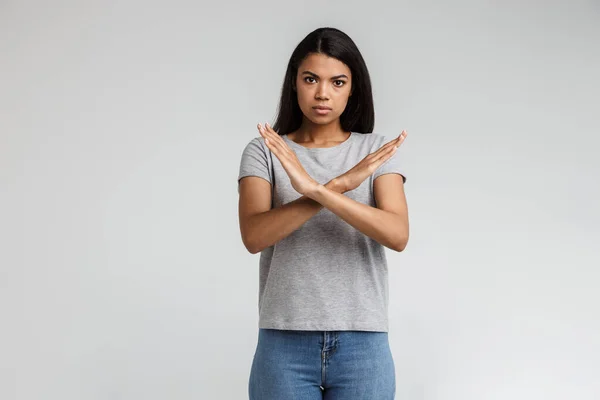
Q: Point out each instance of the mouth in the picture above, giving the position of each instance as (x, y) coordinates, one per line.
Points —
(322, 110)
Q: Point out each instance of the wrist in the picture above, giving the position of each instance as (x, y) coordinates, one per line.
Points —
(337, 185)
(315, 189)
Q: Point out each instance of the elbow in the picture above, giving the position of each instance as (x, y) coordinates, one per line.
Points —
(398, 248)
(400, 236)
(251, 250)
(400, 245)
(251, 246)
(254, 250)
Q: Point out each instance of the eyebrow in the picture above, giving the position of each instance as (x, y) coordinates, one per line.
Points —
(317, 76)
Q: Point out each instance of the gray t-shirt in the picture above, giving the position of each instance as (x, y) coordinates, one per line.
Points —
(326, 275)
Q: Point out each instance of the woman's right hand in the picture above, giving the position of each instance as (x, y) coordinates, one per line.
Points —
(352, 179)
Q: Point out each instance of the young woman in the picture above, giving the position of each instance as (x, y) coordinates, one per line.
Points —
(320, 197)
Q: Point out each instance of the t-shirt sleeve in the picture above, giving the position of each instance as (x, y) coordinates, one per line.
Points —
(255, 161)
(394, 165)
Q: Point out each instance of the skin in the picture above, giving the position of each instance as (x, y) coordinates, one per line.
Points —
(322, 80)
(387, 223)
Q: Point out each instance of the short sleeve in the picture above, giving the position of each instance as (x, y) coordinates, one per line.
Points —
(255, 161)
(395, 165)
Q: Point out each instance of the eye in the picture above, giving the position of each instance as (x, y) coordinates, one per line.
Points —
(308, 77)
(343, 83)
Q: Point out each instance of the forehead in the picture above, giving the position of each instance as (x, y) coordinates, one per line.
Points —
(323, 65)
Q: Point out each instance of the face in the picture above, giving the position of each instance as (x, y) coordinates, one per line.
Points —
(323, 81)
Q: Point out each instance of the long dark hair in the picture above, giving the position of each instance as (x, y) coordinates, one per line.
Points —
(359, 114)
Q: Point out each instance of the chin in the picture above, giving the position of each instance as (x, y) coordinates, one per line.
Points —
(321, 121)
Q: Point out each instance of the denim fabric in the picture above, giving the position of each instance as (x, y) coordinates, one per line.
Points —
(329, 365)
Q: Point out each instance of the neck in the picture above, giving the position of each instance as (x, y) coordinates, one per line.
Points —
(318, 134)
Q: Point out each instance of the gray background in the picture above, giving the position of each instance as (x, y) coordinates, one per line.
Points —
(123, 274)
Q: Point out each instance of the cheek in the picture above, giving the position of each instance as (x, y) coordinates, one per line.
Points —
(301, 96)
(342, 102)
(303, 100)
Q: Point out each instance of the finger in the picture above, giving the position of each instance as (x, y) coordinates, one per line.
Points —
(380, 158)
(383, 159)
(274, 144)
(277, 138)
(382, 155)
(392, 143)
(396, 141)
(261, 131)
(267, 134)
(401, 138)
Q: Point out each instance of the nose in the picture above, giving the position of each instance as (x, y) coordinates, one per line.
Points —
(321, 93)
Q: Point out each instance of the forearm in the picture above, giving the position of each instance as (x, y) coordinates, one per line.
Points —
(269, 227)
(385, 227)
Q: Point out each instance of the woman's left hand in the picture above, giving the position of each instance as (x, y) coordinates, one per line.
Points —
(301, 181)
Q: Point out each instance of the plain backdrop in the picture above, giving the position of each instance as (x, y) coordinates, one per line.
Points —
(122, 270)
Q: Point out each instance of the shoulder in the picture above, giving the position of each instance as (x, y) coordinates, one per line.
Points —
(256, 160)
(256, 145)
(256, 141)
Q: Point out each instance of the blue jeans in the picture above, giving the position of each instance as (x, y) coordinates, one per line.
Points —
(329, 365)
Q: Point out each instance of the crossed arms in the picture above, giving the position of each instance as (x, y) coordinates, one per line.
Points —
(262, 226)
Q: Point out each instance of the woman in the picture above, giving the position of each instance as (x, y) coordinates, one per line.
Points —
(320, 196)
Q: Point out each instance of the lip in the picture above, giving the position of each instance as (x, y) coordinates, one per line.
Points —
(322, 110)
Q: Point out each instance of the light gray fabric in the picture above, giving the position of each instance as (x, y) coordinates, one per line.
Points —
(326, 275)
